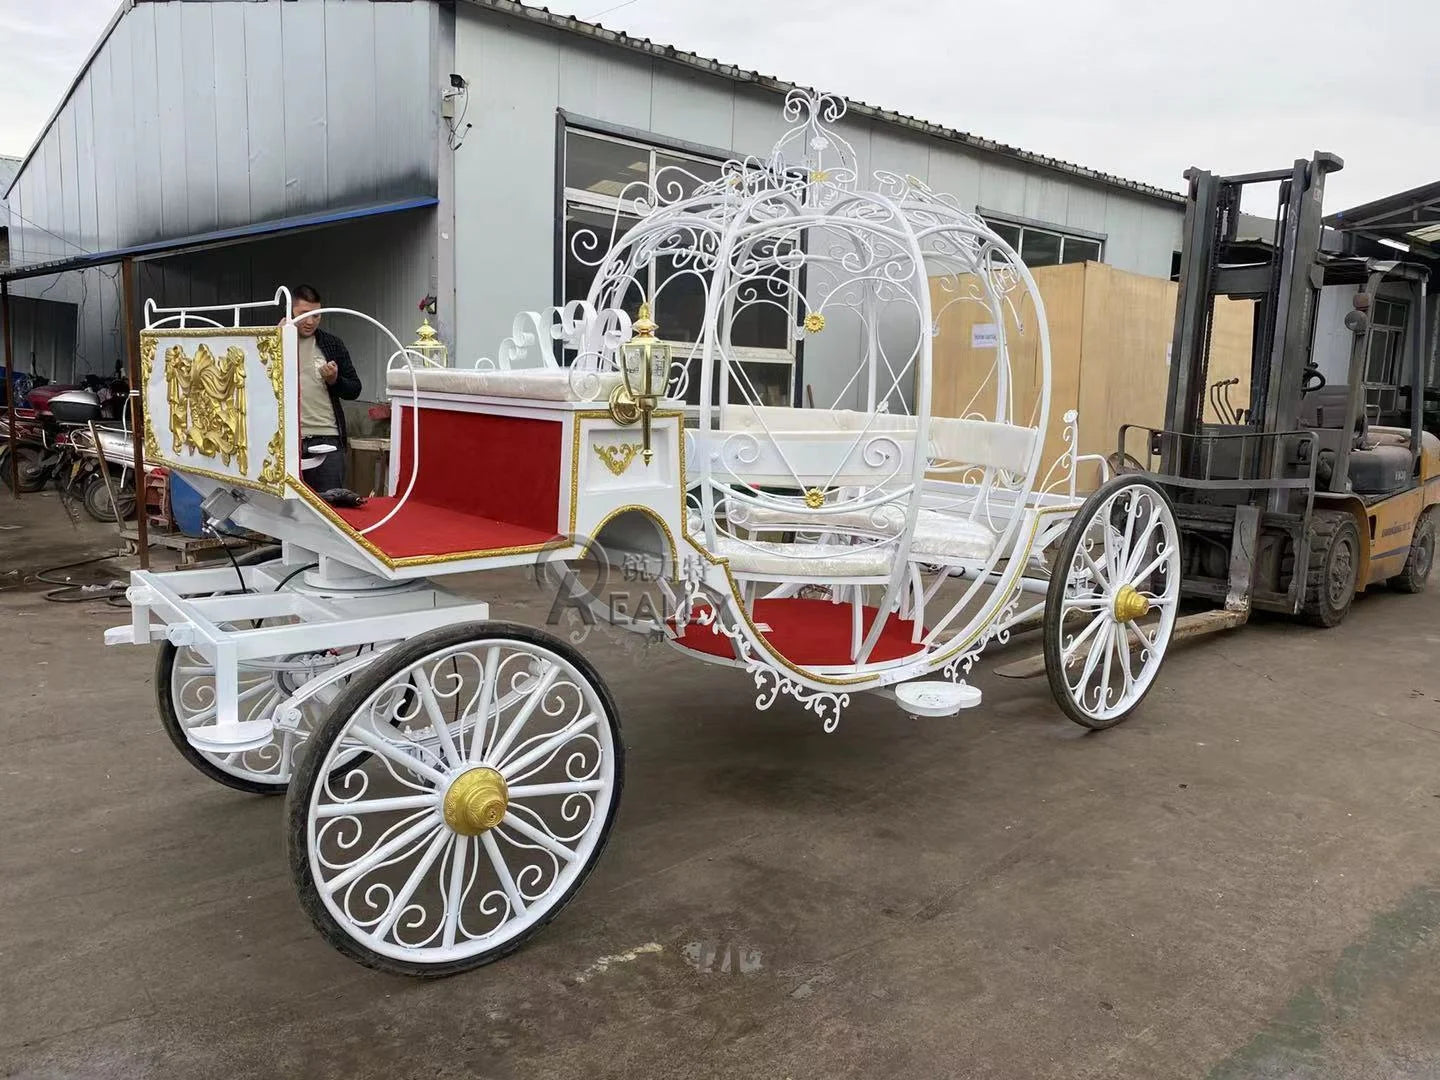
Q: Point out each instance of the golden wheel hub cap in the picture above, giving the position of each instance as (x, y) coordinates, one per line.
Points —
(476, 802)
(1129, 604)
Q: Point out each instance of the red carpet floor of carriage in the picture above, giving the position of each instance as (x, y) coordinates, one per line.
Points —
(809, 633)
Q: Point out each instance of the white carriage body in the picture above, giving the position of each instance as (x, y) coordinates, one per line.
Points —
(462, 769)
(516, 459)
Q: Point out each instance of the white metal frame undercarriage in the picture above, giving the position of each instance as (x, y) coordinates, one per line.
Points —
(336, 606)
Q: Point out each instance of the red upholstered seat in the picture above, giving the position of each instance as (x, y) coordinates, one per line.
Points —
(487, 484)
(421, 530)
(810, 633)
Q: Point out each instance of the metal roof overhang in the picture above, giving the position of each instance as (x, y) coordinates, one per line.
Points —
(215, 239)
(1411, 217)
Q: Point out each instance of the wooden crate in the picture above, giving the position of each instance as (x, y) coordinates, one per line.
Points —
(1110, 334)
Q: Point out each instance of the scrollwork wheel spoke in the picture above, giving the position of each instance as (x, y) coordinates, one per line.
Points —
(1074, 646)
(571, 787)
(373, 858)
(455, 893)
(1101, 578)
(1107, 534)
(537, 694)
(1105, 666)
(375, 806)
(480, 730)
(1153, 565)
(438, 723)
(1140, 548)
(502, 872)
(1100, 645)
(402, 898)
(564, 735)
(1122, 652)
(388, 749)
(1149, 642)
(544, 839)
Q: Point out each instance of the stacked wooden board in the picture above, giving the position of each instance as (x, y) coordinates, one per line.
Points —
(1110, 334)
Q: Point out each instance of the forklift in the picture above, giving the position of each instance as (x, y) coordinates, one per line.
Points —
(1294, 500)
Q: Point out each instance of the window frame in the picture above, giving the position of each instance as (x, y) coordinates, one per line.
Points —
(1064, 232)
(652, 146)
(1396, 331)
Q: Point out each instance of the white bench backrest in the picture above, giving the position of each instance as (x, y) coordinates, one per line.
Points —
(965, 442)
(809, 458)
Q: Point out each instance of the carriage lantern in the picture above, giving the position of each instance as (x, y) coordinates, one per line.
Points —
(428, 344)
(645, 369)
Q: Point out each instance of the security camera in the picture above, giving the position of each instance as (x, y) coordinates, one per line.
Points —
(458, 81)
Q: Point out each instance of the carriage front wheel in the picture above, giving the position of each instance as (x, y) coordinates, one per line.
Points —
(1111, 604)
(455, 798)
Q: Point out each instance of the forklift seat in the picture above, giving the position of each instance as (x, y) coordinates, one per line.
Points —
(1382, 463)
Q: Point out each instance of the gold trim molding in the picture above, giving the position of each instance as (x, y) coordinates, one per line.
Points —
(617, 458)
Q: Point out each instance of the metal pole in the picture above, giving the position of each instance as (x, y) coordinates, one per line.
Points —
(137, 389)
(10, 385)
(105, 476)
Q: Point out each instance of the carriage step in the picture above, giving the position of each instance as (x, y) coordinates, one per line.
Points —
(934, 698)
(231, 738)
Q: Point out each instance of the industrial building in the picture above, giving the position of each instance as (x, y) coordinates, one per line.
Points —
(403, 152)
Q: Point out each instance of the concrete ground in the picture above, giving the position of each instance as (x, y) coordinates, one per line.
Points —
(1241, 881)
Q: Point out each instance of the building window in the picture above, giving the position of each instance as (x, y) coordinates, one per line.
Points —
(597, 169)
(1383, 367)
(1047, 247)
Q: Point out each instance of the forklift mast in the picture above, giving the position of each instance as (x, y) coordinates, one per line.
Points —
(1283, 278)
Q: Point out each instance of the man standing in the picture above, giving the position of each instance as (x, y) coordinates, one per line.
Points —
(326, 376)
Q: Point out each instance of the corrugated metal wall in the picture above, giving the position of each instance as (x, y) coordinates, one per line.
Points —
(200, 116)
(504, 174)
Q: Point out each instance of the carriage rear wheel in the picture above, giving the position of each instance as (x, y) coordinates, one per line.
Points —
(185, 696)
(492, 771)
(1111, 605)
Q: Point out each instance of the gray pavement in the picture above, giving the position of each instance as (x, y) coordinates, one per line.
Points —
(1241, 881)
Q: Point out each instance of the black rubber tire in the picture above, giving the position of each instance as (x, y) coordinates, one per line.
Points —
(164, 663)
(1332, 532)
(28, 455)
(96, 498)
(312, 753)
(1421, 560)
(1053, 631)
(1125, 465)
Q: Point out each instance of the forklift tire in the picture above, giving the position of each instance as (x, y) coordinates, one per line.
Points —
(1334, 560)
(1421, 559)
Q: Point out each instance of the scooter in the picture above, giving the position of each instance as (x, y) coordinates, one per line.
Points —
(102, 451)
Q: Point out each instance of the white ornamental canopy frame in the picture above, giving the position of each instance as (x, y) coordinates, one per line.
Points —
(877, 263)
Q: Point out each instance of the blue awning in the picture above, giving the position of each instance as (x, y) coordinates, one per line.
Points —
(217, 238)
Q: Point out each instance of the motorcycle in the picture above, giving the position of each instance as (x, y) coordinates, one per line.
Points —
(30, 451)
(54, 443)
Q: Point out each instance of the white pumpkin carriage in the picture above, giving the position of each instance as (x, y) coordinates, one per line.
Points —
(451, 780)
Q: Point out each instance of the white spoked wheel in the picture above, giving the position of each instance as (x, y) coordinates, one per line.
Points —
(455, 799)
(185, 696)
(1112, 601)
